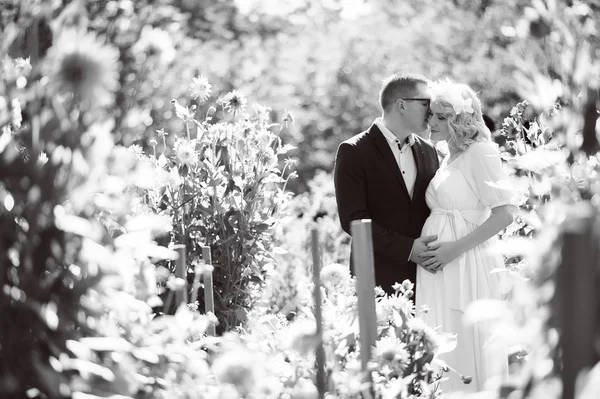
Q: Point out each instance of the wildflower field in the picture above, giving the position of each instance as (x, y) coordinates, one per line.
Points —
(168, 223)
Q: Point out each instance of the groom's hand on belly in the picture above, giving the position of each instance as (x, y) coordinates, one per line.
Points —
(420, 246)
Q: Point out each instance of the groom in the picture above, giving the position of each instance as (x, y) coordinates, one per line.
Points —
(382, 174)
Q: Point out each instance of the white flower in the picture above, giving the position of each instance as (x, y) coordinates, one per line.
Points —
(430, 339)
(405, 289)
(185, 151)
(397, 287)
(79, 63)
(445, 90)
(390, 304)
(200, 88)
(379, 291)
(390, 351)
(235, 102)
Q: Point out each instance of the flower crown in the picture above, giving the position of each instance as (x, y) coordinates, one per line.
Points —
(451, 93)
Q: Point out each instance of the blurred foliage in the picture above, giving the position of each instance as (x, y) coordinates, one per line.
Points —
(223, 185)
(39, 301)
(77, 241)
(282, 53)
(56, 254)
(78, 245)
(405, 347)
(551, 148)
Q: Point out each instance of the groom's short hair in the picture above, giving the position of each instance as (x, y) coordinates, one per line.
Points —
(397, 86)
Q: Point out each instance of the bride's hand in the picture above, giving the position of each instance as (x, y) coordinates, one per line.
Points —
(439, 255)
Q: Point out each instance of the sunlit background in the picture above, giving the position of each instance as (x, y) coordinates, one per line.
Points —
(153, 149)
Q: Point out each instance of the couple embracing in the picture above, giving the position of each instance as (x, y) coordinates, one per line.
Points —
(432, 218)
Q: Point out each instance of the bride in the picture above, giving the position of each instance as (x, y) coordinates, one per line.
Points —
(469, 208)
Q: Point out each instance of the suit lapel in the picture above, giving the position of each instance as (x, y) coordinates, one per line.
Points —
(386, 153)
(417, 151)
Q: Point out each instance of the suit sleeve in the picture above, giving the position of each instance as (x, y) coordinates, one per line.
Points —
(351, 196)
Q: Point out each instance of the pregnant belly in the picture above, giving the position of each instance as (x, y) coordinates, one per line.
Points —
(439, 225)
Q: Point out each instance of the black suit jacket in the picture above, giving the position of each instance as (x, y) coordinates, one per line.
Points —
(369, 185)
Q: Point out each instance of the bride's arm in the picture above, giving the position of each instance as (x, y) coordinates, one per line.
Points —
(442, 253)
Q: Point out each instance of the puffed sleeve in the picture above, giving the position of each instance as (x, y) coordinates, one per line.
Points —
(484, 172)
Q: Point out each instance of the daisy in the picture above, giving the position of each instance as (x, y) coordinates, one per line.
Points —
(200, 88)
(78, 63)
(234, 101)
(392, 352)
(185, 151)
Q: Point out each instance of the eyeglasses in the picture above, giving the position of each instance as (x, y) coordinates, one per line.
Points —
(427, 100)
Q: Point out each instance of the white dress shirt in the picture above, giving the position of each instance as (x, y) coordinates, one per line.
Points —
(404, 157)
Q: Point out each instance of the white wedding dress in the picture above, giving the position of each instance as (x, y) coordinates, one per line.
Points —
(460, 198)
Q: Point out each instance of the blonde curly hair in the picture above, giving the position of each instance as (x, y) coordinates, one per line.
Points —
(465, 127)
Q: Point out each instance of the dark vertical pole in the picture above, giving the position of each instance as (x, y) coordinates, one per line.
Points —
(590, 116)
(576, 299)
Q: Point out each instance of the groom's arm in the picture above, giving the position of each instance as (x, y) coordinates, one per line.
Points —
(351, 196)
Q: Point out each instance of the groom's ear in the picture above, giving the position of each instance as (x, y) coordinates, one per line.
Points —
(400, 103)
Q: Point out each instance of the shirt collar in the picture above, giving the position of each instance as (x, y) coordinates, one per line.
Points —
(391, 137)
